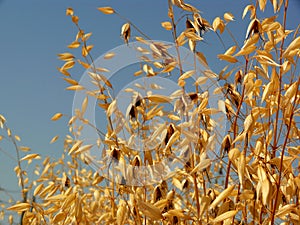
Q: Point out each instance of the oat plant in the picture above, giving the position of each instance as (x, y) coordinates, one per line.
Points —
(247, 175)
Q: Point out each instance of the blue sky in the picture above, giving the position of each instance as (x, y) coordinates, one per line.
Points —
(33, 33)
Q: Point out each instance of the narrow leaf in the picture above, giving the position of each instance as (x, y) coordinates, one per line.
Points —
(106, 10)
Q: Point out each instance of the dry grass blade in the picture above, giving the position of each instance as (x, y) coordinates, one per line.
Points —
(75, 147)
(166, 25)
(106, 10)
(202, 165)
(57, 116)
(111, 108)
(228, 58)
(225, 216)
(150, 210)
(109, 55)
(159, 98)
(31, 156)
(171, 158)
(225, 194)
(20, 207)
(121, 213)
(75, 88)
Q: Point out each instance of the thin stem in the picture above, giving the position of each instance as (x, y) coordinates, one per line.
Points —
(277, 119)
(280, 82)
(24, 194)
(235, 124)
(174, 32)
(132, 24)
(278, 184)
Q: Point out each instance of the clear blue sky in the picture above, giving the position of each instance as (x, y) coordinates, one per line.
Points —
(33, 32)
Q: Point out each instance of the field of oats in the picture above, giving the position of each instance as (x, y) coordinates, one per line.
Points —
(184, 142)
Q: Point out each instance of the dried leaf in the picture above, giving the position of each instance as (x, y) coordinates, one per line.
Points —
(125, 32)
(70, 81)
(230, 51)
(187, 74)
(54, 139)
(121, 212)
(38, 189)
(109, 55)
(225, 216)
(150, 210)
(24, 148)
(69, 12)
(2, 119)
(218, 24)
(250, 8)
(75, 19)
(241, 169)
(159, 98)
(106, 10)
(249, 121)
(84, 105)
(222, 196)
(167, 25)
(228, 17)
(172, 139)
(228, 58)
(82, 149)
(285, 210)
(75, 147)
(291, 91)
(111, 108)
(84, 64)
(192, 36)
(169, 67)
(75, 88)
(254, 27)
(202, 58)
(57, 116)
(264, 186)
(17, 138)
(20, 207)
(66, 56)
(246, 51)
(294, 45)
(201, 80)
(30, 156)
(203, 164)
(86, 49)
(176, 212)
(74, 44)
(262, 4)
(59, 217)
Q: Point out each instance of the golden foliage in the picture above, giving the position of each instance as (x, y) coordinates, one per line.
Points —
(254, 179)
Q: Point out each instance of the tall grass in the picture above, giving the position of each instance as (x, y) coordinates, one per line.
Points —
(253, 179)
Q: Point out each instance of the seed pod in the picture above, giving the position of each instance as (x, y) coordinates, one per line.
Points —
(187, 166)
(164, 188)
(67, 182)
(203, 24)
(125, 32)
(157, 194)
(170, 132)
(189, 24)
(133, 113)
(226, 144)
(193, 96)
(238, 77)
(138, 101)
(185, 184)
(115, 154)
(253, 28)
(136, 161)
